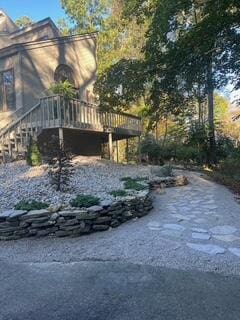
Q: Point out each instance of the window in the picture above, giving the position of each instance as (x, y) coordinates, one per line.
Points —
(64, 72)
(7, 91)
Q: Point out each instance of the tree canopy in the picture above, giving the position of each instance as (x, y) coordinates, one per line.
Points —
(23, 22)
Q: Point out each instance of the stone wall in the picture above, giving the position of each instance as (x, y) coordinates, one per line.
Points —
(168, 182)
(68, 221)
(16, 224)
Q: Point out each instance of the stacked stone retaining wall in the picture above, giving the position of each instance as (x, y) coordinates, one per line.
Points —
(68, 221)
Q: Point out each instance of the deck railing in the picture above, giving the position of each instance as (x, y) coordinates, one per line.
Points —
(72, 113)
(55, 112)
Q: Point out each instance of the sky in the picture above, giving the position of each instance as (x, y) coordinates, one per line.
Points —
(35, 9)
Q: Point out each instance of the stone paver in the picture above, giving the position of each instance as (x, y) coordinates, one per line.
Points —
(223, 230)
(176, 227)
(207, 248)
(235, 251)
(201, 236)
(227, 238)
(199, 230)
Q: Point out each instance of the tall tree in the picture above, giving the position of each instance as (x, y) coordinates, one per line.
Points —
(191, 43)
(117, 38)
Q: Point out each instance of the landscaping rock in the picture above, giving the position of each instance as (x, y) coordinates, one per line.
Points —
(95, 209)
(99, 227)
(102, 220)
(14, 215)
(33, 214)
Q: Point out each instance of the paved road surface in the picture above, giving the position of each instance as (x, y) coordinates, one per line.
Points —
(114, 291)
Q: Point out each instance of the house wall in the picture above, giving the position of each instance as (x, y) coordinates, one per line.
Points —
(5, 41)
(12, 62)
(40, 62)
(36, 34)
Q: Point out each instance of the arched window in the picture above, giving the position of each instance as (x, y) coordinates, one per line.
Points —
(64, 72)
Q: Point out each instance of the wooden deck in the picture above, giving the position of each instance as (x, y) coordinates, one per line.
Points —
(55, 112)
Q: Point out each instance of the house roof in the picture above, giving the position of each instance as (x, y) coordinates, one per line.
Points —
(14, 48)
(34, 26)
(6, 23)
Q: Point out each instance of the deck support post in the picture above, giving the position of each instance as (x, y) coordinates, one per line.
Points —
(3, 152)
(117, 148)
(127, 150)
(110, 144)
(60, 134)
(9, 146)
(139, 149)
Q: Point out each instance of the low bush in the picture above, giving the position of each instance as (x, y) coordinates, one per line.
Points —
(30, 205)
(164, 171)
(84, 201)
(151, 149)
(118, 193)
(228, 173)
(134, 179)
(230, 167)
(132, 184)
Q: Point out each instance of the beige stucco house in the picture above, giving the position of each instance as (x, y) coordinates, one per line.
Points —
(31, 60)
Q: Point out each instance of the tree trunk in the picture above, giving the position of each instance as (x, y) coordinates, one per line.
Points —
(212, 141)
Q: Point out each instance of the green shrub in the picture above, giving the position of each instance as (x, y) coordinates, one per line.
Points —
(187, 154)
(134, 179)
(33, 154)
(164, 171)
(150, 147)
(28, 205)
(132, 184)
(231, 168)
(118, 193)
(84, 201)
(64, 88)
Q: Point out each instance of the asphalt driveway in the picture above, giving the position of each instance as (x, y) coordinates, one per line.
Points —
(114, 291)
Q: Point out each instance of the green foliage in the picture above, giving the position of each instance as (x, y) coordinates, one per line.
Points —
(231, 167)
(133, 184)
(117, 87)
(164, 171)
(190, 51)
(137, 179)
(23, 22)
(89, 15)
(118, 193)
(30, 205)
(33, 154)
(150, 147)
(84, 201)
(117, 38)
(228, 173)
(63, 26)
(64, 88)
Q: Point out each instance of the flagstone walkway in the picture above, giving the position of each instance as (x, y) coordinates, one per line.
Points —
(203, 216)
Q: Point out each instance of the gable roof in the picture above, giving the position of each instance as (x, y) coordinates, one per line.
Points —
(6, 23)
(15, 48)
(33, 26)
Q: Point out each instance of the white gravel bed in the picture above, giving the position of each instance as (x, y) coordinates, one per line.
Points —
(94, 176)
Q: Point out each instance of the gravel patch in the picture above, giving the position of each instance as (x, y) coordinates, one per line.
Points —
(94, 176)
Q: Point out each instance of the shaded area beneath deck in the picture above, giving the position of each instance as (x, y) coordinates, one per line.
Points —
(82, 142)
